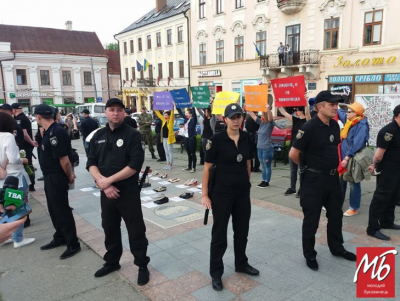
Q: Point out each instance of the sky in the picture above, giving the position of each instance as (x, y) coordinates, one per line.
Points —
(106, 18)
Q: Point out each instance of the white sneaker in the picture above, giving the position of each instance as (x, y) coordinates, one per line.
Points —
(165, 167)
(7, 242)
(200, 186)
(24, 242)
(193, 170)
(323, 208)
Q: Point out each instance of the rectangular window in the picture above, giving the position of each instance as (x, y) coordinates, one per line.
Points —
(202, 9)
(220, 8)
(220, 51)
(373, 27)
(148, 42)
(45, 77)
(133, 73)
(150, 71)
(87, 78)
(139, 41)
(66, 78)
(126, 74)
(171, 70)
(125, 48)
(239, 3)
(158, 38)
(331, 33)
(239, 49)
(203, 54)
(169, 37)
(21, 77)
(160, 75)
(181, 69)
(131, 45)
(180, 34)
(261, 42)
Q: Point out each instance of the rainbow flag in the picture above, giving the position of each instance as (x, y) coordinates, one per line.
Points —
(145, 65)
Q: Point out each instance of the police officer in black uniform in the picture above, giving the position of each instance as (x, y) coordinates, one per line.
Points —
(383, 204)
(252, 128)
(318, 139)
(230, 152)
(29, 143)
(116, 156)
(57, 172)
(18, 133)
(129, 120)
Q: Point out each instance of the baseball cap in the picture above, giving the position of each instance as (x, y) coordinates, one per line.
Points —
(127, 111)
(86, 111)
(328, 97)
(144, 108)
(16, 106)
(115, 101)
(44, 110)
(396, 110)
(6, 106)
(232, 109)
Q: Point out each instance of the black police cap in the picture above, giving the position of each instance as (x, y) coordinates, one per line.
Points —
(327, 96)
(44, 110)
(86, 111)
(396, 110)
(6, 106)
(115, 101)
(233, 109)
(16, 106)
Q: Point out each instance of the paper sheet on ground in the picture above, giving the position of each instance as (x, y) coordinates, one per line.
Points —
(148, 192)
(87, 189)
(164, 183)
(176, 199)
(146, 199)
(181, 186)
(156, 178)
(150, 205)
(96, 193)
(194, 189)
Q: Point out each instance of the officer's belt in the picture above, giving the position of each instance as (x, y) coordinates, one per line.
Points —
(331, 172)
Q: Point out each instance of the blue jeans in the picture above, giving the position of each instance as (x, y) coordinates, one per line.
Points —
(18, 234)
(355, 193)
(265, 157)
(86, 147)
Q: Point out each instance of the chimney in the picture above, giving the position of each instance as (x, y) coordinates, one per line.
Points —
(68, 24)
(160, 4)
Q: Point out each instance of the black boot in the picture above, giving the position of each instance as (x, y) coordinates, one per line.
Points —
(27, 222)
(153, 156)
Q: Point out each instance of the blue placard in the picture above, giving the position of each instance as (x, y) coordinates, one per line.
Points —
(394, 77)
(369, 78)
(181, 98)
(341, 79)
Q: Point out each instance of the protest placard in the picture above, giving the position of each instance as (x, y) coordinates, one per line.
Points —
(222, 99)
(162, 101)
(256, 97)
(289, 91)
(201, 96)
(181, 98)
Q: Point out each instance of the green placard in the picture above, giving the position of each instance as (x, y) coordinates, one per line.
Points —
(48, 101)
(201, 96)
(90, 100)
(12, 95)
(1, 101)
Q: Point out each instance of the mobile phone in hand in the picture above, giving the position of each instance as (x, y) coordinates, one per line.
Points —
(14, 215)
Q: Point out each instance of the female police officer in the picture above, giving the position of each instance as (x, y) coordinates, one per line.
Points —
(229, 151)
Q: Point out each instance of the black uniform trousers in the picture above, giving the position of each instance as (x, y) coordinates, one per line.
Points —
(128, 207)
(319, 190)
(383, 204)
(56, 190)
(29, 155)
(160, 148)
(256, 164)
(224, 204)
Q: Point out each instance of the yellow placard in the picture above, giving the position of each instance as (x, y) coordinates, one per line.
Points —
(256, 98)
(222, 99)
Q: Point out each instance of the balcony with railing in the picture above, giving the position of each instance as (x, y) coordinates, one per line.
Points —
(146, 82)
(303, 57)
(291, 6)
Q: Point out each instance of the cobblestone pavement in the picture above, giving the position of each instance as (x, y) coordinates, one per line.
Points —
(180, 253)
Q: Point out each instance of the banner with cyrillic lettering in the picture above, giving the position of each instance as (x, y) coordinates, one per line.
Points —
(162, 101)
(289, 91)
(181, 98)
(256, 98)
(201, 96)
(222, 99)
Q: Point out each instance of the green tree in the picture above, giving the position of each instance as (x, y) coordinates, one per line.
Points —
(111, 46)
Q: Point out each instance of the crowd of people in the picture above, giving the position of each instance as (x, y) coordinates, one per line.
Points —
(326, 156)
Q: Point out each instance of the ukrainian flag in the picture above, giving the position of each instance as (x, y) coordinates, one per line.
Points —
(145, 65)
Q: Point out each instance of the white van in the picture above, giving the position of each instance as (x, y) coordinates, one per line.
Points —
(95, 109)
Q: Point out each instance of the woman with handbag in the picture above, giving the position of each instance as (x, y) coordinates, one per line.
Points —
(354, 136)
(11, 164)
(228, 157)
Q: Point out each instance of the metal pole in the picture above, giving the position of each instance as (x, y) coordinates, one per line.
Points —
(94, 81)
